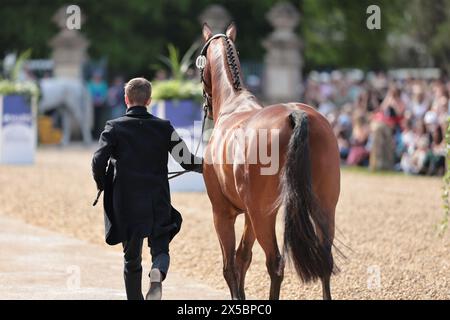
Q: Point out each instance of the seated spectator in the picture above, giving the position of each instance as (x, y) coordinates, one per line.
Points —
(434, 163)
(419, 104)
(393, 100)
(343, 145)
(408, 146)
(419, 156)
(408, 118)
(326, 107)
(441, 104)
(358, 154)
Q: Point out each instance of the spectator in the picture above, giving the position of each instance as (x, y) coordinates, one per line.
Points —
(394, 102)
(116, 93)
(419, 105)
(116, 97)
(343, 145)
(408, 146)
(434, 163)
(419, 156)
(98, 89)
(359, 154)
(408, 118)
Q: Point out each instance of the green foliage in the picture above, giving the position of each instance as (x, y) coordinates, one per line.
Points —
(434, 33)
(8, 87)
(178, 68)
(11, 86)
(132, 34)
(336, 35)
(129, 34)
(19, 64)
(178, 87)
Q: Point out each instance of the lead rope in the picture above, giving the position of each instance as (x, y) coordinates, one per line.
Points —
(175, 173)
(179, 173)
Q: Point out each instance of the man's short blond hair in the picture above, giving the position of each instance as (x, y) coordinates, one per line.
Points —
(138, 91)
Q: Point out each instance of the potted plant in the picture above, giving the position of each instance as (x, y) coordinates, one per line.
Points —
(178, 98)
(18, 106)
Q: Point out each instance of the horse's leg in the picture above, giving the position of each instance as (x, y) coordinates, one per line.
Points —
(224, 221)
(264, 228)
(224, 214)
(328, 239)
(244, 255)
(66, 126)
(326, 291)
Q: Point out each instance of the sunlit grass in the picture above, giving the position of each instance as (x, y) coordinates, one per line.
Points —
(367, 171)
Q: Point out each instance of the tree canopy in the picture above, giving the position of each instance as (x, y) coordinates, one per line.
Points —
(132, 34)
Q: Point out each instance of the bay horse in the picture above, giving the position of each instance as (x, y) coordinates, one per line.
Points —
(306, 181)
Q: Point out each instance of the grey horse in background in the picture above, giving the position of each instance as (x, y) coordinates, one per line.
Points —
(71, 98)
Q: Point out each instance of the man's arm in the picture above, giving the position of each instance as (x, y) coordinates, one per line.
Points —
(180, 152)
(101, 156)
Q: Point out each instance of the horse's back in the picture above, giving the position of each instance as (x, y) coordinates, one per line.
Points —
(267, 133)
(324, 153)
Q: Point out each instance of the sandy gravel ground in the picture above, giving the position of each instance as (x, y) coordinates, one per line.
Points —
(387, 223)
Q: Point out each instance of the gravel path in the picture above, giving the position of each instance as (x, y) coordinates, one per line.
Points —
(387, 224)
(71, 269)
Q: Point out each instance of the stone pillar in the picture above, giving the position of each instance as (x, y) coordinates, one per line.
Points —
(69, 49)
(283, 62)
(216, 16)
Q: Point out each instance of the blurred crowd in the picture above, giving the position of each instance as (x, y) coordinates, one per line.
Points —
(382, 122)
(107, 99)
(379, 121)
(105, 95)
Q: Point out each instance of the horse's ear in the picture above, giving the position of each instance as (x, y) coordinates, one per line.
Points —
(231, 31)
(207, 33)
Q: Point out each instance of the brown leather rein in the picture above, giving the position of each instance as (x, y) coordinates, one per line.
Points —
(200, 63)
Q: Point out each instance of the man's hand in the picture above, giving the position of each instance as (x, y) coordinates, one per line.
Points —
(107, 143)
(199, 166)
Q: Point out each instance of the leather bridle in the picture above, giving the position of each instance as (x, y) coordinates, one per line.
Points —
(207, 103)
(200, 63)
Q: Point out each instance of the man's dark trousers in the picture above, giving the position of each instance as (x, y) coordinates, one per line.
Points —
(132, 250)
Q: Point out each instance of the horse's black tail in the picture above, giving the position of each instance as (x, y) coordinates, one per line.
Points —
(305, 233)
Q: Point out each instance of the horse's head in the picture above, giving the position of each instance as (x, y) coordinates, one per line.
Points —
(210, 62)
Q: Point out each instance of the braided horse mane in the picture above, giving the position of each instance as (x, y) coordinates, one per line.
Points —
(232, 57)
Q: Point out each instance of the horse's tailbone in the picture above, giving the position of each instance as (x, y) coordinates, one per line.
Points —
(311, 257)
